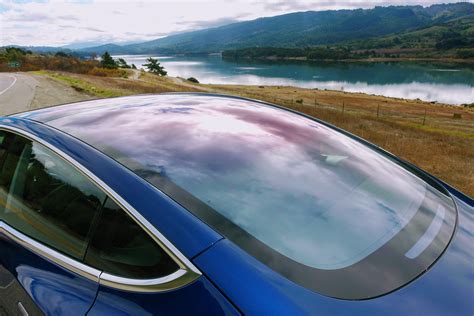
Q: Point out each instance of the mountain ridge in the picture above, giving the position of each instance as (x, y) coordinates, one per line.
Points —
(301, 29)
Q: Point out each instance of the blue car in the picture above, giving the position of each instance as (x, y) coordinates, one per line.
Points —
(198, 204)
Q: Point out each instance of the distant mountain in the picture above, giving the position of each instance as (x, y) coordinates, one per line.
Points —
(442, 25)
(111, 48)
(41, 49)
(83, 45)
(302, 29)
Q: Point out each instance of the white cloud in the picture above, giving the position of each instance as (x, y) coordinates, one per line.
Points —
(61, 22)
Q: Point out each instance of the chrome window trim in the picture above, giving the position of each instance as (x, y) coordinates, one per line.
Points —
(186, 273)
(48, 253)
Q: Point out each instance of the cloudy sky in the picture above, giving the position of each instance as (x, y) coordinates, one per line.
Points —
(59, 22)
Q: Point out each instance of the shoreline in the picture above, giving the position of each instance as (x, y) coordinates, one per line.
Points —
(355, 60)
(305, 59)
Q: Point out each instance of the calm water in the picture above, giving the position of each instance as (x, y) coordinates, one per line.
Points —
(446, 83)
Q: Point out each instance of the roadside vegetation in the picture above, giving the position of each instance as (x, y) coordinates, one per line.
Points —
(16, 59)
(13, 59)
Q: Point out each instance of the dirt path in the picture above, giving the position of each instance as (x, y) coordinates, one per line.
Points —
(51, 92)
(135, 74)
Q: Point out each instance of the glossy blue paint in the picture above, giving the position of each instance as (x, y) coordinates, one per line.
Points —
(198, 298)
(446, 289)
(53, 289)
(190, 235)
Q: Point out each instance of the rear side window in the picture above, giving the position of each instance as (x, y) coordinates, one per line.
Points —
(45, 197)
(48, 199)
(121, 247)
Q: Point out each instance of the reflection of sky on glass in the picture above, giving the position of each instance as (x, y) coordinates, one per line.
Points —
(447, 83)
(61, 170)
(307, 191)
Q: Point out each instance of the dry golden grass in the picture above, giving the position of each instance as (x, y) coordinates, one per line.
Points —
(438, 138)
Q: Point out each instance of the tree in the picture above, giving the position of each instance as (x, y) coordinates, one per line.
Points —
(122, 63)
(107, 61)
(61, 54)
(154, 67)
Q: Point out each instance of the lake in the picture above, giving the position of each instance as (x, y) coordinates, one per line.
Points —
(450, 83)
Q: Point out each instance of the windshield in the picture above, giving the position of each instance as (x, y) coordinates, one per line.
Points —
(321, 208)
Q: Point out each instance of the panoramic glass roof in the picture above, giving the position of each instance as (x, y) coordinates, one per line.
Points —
(321, 208)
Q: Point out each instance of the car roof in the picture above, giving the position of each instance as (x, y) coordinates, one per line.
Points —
(278, 184)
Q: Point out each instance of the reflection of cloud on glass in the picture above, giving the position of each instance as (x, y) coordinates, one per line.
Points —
(263, 168)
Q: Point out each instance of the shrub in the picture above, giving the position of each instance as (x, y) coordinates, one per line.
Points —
(107, 72)
(192, 79)
(61, 54)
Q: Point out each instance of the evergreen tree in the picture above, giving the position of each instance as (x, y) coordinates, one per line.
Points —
(122, 63)
(107, 61)
(154, 67)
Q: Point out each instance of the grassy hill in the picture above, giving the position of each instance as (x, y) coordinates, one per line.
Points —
(457, 33)
(378, 27)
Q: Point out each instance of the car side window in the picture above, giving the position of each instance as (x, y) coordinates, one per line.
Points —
(47, 198)
(121, 247)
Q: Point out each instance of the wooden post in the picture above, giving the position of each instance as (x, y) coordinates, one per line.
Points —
(343, 106)
(424, 118)
(315, 102)
(378, 111)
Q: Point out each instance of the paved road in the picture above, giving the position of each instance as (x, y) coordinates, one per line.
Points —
(16, 92)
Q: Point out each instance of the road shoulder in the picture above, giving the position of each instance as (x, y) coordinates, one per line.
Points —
(51, 92)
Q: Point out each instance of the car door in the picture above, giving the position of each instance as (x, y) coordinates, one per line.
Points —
(47, 211)
(140, 278)
(76, 250)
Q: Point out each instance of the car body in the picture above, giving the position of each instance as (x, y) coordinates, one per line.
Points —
(187, 203)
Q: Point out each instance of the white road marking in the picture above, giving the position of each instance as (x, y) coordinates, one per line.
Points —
(11, 85)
